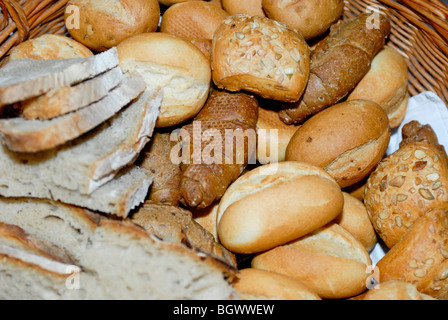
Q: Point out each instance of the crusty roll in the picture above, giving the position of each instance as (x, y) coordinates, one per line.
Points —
(260, 55)
(329, 260)
(251, 7)
(386, 83)
(174, 64)
(50, 46)
(338, 63)
(192, 19)
(104, 24)
(395, 290)
(421, 256)
(347, 140)
(274, 204)
(257, 284)
(355, 219)
(309, 17)
(273, 135)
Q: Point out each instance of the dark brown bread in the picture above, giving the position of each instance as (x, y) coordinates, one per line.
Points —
(338, 63)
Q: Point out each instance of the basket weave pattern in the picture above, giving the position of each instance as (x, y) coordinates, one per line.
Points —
(419, 32)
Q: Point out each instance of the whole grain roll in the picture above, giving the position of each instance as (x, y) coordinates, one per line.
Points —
(192, 19)
(103, 25)
(257, 284)
(421, 256)
(50, 46)
(355, 219)
(329, 260)
(174, 64)
(395, 290)
(404, 186)
(309, 17)
(274, 204)
(347, 140)
(273, 135)
(251, 7)
(260, 55)
(386, 83)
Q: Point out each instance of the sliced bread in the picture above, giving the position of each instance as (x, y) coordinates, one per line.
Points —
(85, 164)
(23, 79)
(67, 99)
(21, 135)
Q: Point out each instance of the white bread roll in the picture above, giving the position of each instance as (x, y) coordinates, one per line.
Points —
(104, 24)
(174, 64)
(386, 83)
(348, 140)
(274, 204)
(329, 260)
(257, 284)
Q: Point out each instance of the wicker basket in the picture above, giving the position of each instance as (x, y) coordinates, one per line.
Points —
(419, 32)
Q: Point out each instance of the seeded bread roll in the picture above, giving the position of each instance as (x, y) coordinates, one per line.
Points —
(50, 46)
(386, 83)
(174, 64)
(104, 24)
(260, 55)
(281, 190)
(355, 219)
(347, 140)
(404, 186)
(329, 260)
(421, 256)
(310, 18)
(257, 284)
(192, 19)
(251, 7)
(395, 290)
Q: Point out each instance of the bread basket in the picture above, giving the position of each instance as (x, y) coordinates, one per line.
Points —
(419, 32)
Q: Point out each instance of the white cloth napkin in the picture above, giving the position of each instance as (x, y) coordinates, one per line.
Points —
(426, 108)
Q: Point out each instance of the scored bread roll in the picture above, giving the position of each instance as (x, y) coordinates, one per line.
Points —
(251, 7)
(274, 204)
(257, 284)
(395, 290)
(329, 260)
(310, 18)
(260, 55)
(421, 256)
(273, 136)
(174, 64)
(193, 19)
(49, 46)
(355, 219)
(348, 140)
(101, 25)
(386, 83)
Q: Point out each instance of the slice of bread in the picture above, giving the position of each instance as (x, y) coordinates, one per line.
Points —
(23, 79)
(64, 100)
(21, 135)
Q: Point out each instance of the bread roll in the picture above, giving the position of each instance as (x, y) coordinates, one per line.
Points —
(193, 19)
(50, 46)
(355, 219)
(104, 24)
(260, 55)
(274, 204)
(171, 2)
(395, 290)
(421, 256)
(273, 136)
(386, 83)
(404, 186)
(174, 64)
(329, 260)
(251, 7)
(309, 17)
(347, 140)
(256, 284)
